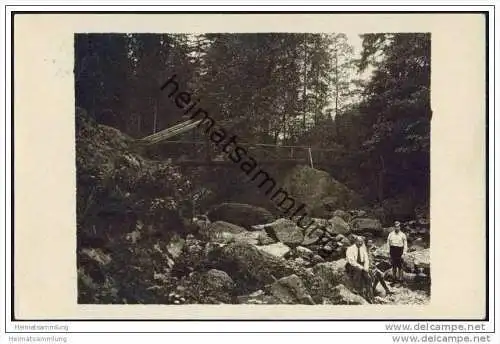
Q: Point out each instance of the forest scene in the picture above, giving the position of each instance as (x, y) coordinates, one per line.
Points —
(166, 216)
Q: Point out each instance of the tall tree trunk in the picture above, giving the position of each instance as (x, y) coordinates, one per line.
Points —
(381, 175)
(283, 120)
(304, 94)
(155, 114)
(318, 109)
(336, 83)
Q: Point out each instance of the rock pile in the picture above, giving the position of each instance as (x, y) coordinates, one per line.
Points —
(273, 263)
(268, 263)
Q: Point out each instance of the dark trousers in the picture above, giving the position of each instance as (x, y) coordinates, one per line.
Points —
(396, 254)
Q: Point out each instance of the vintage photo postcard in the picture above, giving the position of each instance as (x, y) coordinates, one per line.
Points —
(263, 168)
(287, 166)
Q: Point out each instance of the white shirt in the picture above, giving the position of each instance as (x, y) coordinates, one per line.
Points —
(397, 239)
(352, 256)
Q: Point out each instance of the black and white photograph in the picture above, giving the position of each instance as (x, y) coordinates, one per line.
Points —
(253, 168)
(205, 171)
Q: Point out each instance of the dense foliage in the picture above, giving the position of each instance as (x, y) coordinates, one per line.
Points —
(278, 88)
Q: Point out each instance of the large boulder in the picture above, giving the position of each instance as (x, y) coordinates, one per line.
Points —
(313, 234)
(367, 225)
(291, 290)
(343, 296)
(250, 268)
(332, 273)
(212, 286)
(338, 226)
(223, 226)
(324, 208)
(286, 231)
(277, 250)
(318, 190)
(417, 259)
(315, 285)
(246, 237)
(244, 215)
(225, 233)
(344, 215)
(303, 252)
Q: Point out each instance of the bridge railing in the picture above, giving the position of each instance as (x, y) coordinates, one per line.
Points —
(204, 152)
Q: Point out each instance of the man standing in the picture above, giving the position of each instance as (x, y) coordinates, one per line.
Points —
(357, 266)
(377, 275)
(398, 246)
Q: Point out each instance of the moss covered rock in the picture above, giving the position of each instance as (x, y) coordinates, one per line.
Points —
(244, 215)
(250, 268)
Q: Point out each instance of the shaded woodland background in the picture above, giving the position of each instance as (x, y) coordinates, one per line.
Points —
(140, 238)
(279, 88)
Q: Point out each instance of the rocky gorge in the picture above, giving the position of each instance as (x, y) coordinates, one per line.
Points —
(138, 245)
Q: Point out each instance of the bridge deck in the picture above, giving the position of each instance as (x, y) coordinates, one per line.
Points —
(229, 162)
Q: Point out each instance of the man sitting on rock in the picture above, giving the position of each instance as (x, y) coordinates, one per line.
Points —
(376, 274)
(358, 267)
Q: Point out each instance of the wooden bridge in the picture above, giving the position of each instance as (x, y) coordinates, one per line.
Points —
(265, 154)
